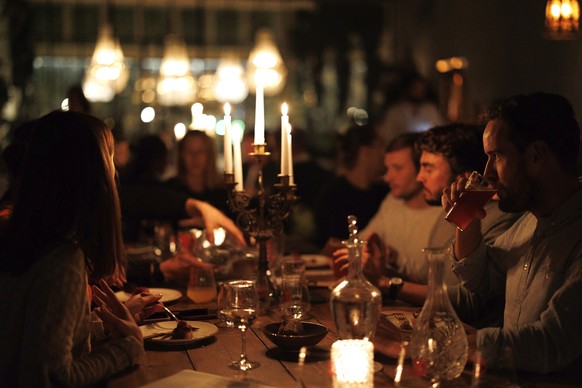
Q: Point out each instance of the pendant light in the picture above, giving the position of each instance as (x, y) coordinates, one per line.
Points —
(230, 83)
(265, 65)
(107, 74)
(176, 85)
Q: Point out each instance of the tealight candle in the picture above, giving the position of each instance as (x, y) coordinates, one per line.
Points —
(353, 363)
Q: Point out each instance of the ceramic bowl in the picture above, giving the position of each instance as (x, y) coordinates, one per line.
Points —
(314, 332)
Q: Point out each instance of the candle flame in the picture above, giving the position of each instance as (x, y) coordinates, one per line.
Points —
(227, 109)
(284, 109)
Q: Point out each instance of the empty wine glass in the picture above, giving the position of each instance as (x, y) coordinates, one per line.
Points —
(294, 294)
(294, 304)
(221, 306)
(241, 310)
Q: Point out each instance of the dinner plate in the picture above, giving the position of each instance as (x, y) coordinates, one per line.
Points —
(168, 294)
(205, 330)
(315, 261)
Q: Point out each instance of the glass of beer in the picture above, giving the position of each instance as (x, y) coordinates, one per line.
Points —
(464, 210)
(202, 285)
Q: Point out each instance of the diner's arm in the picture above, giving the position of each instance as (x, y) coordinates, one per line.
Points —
(550, 343)
(151, 201)
(213, 218)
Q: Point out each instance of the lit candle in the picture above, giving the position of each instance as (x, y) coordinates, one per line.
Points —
(289, 155)
(238, 175)
(227, 140)
(260, 116)
(284, 148)
(353, 363)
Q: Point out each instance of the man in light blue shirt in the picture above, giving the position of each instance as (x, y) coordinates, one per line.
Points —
(532, 143)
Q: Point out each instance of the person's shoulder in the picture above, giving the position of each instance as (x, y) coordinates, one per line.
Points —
(172, 182)
(63, 259)
(65, 251)
(380, 189)
(338, 181)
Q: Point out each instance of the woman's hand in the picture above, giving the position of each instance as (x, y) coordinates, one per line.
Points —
(213, 218)
(143, 305)
(115, 316)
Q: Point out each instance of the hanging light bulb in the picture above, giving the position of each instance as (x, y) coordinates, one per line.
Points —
(107, 73)
(562, 19)
(176, 85)
(230, 84)
(97, 91)
(265, 65)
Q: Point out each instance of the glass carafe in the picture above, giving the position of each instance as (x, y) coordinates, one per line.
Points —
(355, 303)
(438, 345)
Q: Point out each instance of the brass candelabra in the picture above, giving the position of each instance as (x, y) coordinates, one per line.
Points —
(261, 216)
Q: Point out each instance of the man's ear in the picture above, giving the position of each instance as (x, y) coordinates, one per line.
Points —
(536, 155)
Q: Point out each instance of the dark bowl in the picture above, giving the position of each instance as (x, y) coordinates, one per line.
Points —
(314, 332)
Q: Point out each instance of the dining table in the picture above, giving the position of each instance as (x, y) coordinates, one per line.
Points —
(206, 362)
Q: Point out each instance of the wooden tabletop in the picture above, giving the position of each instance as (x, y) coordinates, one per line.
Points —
(279, 368)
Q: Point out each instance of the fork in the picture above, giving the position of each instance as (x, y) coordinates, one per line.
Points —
(400, 316)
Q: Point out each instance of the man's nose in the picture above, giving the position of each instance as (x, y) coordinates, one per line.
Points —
(490, 173)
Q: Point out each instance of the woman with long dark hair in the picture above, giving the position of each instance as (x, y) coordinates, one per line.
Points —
(65, 231)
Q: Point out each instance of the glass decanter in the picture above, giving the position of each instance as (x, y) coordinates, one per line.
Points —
(355, 303)
(438, 346)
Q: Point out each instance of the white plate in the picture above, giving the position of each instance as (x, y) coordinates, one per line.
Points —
(316, 261)
(204, 331)
(168, 294)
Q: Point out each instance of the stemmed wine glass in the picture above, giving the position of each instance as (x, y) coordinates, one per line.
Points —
(241, 310)
(293, 297)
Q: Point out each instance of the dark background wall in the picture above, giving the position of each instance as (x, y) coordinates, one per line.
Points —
(504, 43)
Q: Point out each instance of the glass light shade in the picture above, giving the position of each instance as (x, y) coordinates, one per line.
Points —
(107, 73)
(562, 19)
(230, 83)
(97, 91)
(265, 65)
(176, 85)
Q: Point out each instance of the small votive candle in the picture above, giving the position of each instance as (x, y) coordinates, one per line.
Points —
(353, 363)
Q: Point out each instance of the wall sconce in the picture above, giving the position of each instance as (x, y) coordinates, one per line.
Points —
(107, 73)
(265, 65)
(176, 85)
(562, 19)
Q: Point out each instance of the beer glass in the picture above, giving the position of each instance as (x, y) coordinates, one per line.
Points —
(465, 209)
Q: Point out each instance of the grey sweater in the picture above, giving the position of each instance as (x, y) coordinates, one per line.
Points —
(45, 335)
